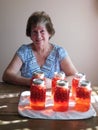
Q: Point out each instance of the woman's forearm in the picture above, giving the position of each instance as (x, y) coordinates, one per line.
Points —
(16, 79)
(19, 80)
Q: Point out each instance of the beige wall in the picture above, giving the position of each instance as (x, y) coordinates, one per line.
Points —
(75, 22)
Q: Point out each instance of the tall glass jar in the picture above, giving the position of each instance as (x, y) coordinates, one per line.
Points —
(83, 96)
(37, 94)
(61, 96)
(57, 76)
(75, 82)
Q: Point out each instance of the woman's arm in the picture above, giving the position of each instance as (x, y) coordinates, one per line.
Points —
(11, 73)
(69, 69)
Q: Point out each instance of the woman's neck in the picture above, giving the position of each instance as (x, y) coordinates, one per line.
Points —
(41, 49)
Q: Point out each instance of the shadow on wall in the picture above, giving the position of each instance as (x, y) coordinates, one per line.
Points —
(96, 4)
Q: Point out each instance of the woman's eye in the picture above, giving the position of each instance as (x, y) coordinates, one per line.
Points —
(34, 32)
(42, 31)
(37, 32)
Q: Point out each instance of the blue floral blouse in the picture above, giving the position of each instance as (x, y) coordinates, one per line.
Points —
(30, 64)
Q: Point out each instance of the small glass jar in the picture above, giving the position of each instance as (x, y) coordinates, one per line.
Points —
(57, 76)
(37, 94)
(75, 82)
(61, 96)
(83, 96)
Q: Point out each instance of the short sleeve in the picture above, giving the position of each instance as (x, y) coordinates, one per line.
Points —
(62, 53)
(21, 52)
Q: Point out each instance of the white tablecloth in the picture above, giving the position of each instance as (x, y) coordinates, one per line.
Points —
(25, 110)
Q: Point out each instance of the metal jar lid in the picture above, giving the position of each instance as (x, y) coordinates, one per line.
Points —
(80, 75)
(38, 81)
(85, 83)
(38, 73)
(62, 83)
(60, 74)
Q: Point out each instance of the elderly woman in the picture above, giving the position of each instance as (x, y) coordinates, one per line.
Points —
(39, 55)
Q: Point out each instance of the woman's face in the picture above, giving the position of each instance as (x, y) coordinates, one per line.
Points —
(40, 35)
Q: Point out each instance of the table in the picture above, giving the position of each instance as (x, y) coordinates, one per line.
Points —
(10, 118)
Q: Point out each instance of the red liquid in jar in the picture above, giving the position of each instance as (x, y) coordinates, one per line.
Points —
(61, 98)
(75, 82)
(54, 83)
(37, 96)
(57, 76)
(83, 98)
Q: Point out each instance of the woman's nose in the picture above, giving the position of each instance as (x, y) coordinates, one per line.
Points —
(38, 34)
